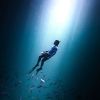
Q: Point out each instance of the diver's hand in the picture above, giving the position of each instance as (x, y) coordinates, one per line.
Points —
(44, 52)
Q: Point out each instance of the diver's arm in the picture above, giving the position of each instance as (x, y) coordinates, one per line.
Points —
(52, 55)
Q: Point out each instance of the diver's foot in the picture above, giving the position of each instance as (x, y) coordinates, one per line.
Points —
(33, 68)
(38, 70)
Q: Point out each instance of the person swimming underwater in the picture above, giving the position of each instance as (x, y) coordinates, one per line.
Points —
(45, 55)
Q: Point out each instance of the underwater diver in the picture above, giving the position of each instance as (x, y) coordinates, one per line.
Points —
(45, 55)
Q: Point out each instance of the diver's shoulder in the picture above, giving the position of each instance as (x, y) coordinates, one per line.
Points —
(56, 47)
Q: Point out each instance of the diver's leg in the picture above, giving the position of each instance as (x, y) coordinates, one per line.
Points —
(42, 63)
(39, 59)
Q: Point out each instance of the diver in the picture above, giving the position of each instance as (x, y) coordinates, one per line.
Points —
(45, 55)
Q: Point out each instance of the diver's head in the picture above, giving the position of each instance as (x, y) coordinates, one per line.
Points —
(56, 42)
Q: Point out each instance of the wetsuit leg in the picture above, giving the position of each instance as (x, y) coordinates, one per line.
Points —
(39, 59)
(42, 63)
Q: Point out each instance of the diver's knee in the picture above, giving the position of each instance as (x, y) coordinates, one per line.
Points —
(44, 59)
(40, 56)
(40, 68)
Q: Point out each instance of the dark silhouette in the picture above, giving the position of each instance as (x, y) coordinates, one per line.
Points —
(45, 55)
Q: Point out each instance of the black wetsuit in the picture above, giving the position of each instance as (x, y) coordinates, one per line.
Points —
(45, 56)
